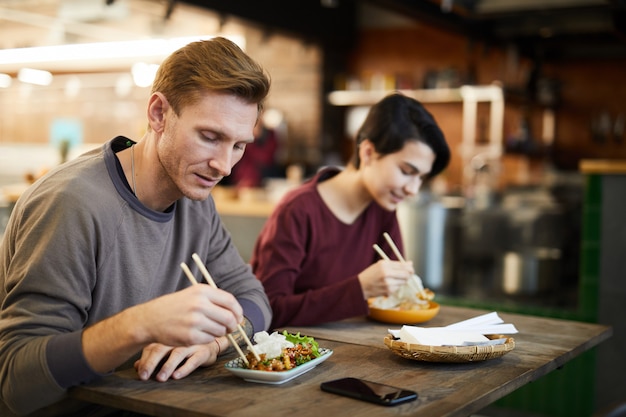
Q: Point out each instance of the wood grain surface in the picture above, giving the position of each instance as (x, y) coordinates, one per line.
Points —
(451, 390)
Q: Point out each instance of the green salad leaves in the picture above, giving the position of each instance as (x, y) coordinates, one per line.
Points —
(303, 340)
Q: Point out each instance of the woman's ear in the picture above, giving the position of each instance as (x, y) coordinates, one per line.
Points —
(157, 107)
(367, 152)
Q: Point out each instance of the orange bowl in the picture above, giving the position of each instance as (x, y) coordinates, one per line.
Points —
(404, 316)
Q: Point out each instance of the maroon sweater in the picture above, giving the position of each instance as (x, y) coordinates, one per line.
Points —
(308, 260)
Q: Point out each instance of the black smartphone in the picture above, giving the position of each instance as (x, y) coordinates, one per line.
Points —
(369, 391)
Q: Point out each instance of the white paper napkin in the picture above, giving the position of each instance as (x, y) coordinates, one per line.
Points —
(463, 333)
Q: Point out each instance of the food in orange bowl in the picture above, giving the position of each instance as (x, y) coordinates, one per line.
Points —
(403, 316)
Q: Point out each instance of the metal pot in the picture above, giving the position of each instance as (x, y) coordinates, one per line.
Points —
(429, 227)
(533, 271)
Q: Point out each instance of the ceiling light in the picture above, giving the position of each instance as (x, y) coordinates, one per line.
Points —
(143, 74)
(72, 86)
(123, 85)
(5, 80)
(332, 4)
(97, 55)
(34, 76)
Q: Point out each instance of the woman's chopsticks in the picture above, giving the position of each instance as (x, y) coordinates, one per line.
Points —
(394, 248)
(210, 281)
(396, 251)
(380, 252)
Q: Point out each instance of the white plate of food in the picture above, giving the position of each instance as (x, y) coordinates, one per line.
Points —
(238, 367)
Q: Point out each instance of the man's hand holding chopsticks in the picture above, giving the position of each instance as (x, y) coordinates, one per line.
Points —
(196, 315)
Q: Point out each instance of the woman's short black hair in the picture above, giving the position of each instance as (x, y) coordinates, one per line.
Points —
(398, 119)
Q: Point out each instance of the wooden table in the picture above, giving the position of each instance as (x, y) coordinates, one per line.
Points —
(542, 345)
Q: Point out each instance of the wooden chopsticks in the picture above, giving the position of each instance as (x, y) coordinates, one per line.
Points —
(381, 253)
(396, 251)
(210, 281)
(394, 248)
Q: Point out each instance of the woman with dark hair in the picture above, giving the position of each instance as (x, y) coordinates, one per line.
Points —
(314, 255)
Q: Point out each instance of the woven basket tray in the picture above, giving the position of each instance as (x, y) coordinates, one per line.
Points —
(450, 353)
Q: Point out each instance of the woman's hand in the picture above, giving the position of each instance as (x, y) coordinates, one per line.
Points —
(384, 277)
(175, 363)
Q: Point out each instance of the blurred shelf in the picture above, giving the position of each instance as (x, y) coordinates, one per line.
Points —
(368, 98)
(435, 95)
(603, 166)
(468, 95)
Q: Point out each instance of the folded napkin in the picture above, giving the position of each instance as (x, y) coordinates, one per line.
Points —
(464, 333)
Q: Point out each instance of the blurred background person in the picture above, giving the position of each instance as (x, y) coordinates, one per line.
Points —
(259, 159)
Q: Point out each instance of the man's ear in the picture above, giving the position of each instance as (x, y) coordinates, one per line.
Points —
(157, 107)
